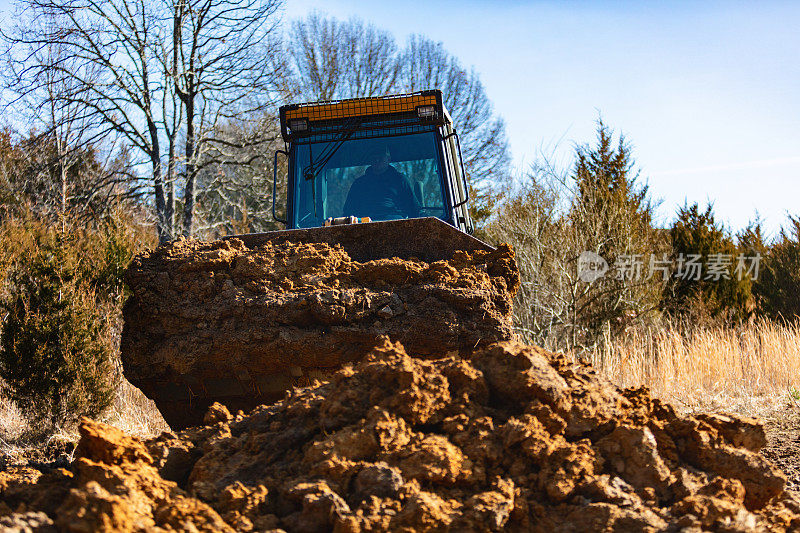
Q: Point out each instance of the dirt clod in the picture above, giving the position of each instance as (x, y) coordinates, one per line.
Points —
(223, 321)
(508, 438)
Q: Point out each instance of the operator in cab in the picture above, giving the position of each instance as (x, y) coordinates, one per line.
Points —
(382, 193)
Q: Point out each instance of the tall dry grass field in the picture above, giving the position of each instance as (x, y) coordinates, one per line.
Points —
(12, 424)
(752, 369)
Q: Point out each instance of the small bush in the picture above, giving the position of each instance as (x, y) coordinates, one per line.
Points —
(60, 299)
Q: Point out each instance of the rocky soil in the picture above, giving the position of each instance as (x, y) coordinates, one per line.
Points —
(506, 437)
(243, 324)
(783, 443)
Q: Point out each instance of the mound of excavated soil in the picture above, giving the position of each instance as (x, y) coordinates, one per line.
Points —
(242, 325)
(510, 437)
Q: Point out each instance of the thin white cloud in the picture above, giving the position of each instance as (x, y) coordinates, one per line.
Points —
(761, 163)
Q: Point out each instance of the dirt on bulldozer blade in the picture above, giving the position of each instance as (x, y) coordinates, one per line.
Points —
(508, 437)
(241, 325)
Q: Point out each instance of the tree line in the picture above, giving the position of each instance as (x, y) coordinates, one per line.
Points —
(691, 271)
(183, 94)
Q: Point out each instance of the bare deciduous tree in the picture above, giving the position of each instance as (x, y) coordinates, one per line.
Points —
(62, 137)
(236, 190)
(223, 70)
(111, 66)
(425, 64)
(153, 73)
(329, 59)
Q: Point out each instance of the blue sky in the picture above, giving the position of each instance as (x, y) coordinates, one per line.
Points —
(708, 93)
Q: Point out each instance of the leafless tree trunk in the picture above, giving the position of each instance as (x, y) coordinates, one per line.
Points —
(223, 69)
(110, 65)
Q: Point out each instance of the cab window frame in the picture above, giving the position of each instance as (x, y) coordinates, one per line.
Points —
(442, 170)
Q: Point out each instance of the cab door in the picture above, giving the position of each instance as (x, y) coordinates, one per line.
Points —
(456, 179)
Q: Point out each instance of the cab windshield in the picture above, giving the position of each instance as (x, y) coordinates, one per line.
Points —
(384, 178)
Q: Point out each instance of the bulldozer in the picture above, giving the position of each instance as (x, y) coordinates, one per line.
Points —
(378, 241)
(330, 145)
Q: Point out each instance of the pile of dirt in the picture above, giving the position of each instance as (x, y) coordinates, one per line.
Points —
(225, 321)
(507, 438)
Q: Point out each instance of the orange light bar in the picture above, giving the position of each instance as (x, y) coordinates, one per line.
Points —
(358, 107)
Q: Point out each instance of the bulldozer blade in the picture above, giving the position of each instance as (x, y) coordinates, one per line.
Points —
(246, 318)
(428, 239)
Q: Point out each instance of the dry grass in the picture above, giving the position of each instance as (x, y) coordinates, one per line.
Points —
(131, 411)
(752, 370)
(12, 422)
(135, 413)
(14, 444)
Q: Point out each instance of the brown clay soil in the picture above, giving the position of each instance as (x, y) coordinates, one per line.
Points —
(783, 443)
(508, 437)
(224, 321)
